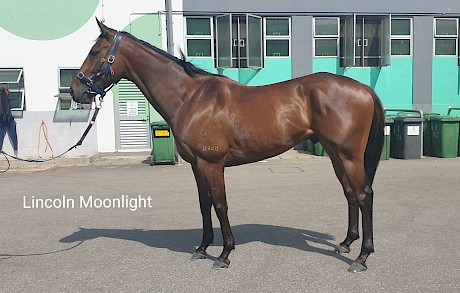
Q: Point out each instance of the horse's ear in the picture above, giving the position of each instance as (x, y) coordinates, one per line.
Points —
(101, 26)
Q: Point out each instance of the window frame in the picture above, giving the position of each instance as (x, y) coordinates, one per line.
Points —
(326, 37)
(200, 37)
(446, 37)
(59, 76)
(16, 86)
(223, 61)
(18, 79)
(21, 91)
(259, 46)
(267, 38)
(403, 37)
(64, 92)
(349, 41)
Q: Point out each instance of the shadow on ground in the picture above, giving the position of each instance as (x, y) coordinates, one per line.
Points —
(183, 240)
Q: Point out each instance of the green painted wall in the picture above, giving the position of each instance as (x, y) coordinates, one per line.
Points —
(147, 28)
(393, 83)
(446, 84)
(275, 70)
(46, 19)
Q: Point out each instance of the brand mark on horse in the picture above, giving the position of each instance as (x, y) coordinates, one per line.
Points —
(208, 148)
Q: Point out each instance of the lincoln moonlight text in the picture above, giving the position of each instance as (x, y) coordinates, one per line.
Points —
(133, 203)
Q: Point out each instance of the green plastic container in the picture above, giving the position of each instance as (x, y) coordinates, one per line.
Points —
(319, 150)
(444, 136)
(427, 141)
(310, 146)
(389, 122)
(162, 143)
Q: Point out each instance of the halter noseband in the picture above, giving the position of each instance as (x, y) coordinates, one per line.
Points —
(106, 71)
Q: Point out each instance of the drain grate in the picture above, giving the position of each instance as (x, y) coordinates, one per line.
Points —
(286, 170)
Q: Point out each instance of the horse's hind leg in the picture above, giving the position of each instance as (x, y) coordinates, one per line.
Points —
(205, 207)
(358, 193)
(351, 174)
(353, 207)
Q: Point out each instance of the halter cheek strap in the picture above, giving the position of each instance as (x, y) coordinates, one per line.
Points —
(106, 71)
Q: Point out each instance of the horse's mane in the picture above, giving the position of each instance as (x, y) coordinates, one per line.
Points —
(188, 67)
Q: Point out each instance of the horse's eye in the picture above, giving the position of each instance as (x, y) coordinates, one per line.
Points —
(93, 53)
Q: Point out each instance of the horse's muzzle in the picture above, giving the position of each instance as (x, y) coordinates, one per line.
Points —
(83, 97)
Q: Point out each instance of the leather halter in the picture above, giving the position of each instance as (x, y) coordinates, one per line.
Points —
(101, 72)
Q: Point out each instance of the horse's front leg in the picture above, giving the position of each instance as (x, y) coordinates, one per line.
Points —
(213, 174)
(205, 207)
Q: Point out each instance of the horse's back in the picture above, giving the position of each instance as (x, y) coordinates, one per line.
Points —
(336, 109)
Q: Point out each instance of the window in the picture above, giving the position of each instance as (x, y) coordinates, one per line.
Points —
(365, 41)
(401, 34)
(10, 75)
(326, 36)
(17, 100)
(198, 36)
(239, 41)
(277, 37)
(13, 80)
(65, 77)
(445, 37)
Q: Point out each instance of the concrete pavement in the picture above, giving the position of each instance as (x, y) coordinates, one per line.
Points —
(287, 214)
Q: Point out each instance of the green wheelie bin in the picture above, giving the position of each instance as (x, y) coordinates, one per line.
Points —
(444, 136)
(427, 141)
(163, 148)
(389, 122)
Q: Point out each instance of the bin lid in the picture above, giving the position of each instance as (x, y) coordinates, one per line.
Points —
(429, 116)
(160, 123)
(389, 120)
(445, 118)
(409, 119)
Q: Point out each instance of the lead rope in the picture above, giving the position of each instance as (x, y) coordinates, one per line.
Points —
(44, 129)
(79, 143)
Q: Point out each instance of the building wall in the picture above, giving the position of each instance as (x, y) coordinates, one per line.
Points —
(393, 84)
(42, 36)
(324, 6)
(420, 81)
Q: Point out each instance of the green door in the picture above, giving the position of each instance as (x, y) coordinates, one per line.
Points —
(133, 118)
(133, 111)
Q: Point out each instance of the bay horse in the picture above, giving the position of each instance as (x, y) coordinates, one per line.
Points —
(219, 123)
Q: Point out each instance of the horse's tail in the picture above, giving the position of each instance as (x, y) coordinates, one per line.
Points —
(376, 138)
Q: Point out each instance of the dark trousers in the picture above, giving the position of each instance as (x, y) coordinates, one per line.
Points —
(11, 129)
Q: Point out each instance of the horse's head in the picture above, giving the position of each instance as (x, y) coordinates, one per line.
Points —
(99, 70)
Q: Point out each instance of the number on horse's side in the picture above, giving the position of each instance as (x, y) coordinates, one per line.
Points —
(218, 123)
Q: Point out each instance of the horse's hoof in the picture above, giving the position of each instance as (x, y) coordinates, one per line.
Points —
(220, 264)
(357, 267)
(341, 249)
(199, 255)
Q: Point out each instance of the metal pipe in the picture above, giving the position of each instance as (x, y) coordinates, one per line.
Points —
(169, 27)
(405, 110)
(451, 108)
(170, 47)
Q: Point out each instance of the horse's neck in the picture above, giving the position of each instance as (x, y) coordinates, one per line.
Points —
(160, 80)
